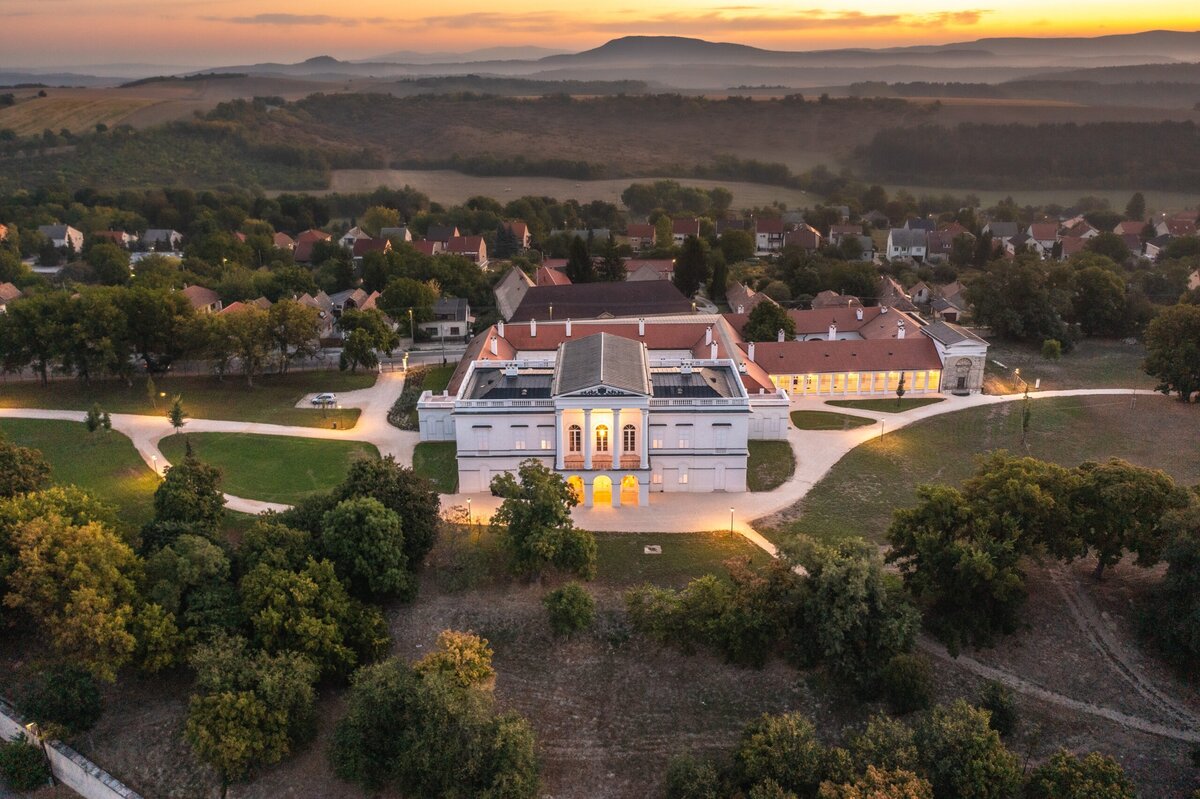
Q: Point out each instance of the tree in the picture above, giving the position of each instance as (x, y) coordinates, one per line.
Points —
(856, 620)
(1099, 302)
(1110, 245)
(250, 708)
(907, 682)
(1170, 615)
(358, 349)
(962, 250)
(93, 420)
(878, 783)
(409, 495)
(176, 414)
(405, 294)
(765, 322)
(900, 390)
(309, 611)
(464, 659)
(963, 757)
(720, 280)
(535, 526)
(1173, 350)
(1135, 209)
(1017, 300)
(365, 541)
(190, 494)
(781, 748)
(689, 778)
(294, 330)
(998, 700)
(579, 268)
(377, 217)
(1051, 349)
(77, 582)
(1120, 507)
(612, 268)
(885, 743)
(570, 608)
(367, 334)
(1068, 776)
(23, 765)
(190, 580)
(738, 245)
(249, 333)
(63, 699)
(110, 263)
(21, 469)
(691, 267)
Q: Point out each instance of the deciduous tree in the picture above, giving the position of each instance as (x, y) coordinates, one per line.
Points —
(1173, 350)
(765, 322)
(534, 522)
(963, 757)
(365, 541)
(1068, 776)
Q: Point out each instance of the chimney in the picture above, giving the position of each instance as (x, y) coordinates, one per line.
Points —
(685, 368)
(712, 350)
(568, 328)
(858, 313)
(833, 331)
(641, 328)
(899, 328)
(741, 309)
(500, 328)
(708, 335)
(492, 346)
(510, 369)
(883, 309)
(533, 328)
(750, 350)
(779, 335)
(742, 368)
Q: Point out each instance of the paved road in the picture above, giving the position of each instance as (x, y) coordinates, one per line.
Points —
(816, 453)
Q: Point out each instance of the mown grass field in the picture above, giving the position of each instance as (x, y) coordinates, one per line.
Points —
(1094, 363)
(770, 464)
(857, 496)
(622, 560)
(271, 468)
(827, 420)
(437, 460)
(895, 405)
(105, 464)
(272, 399)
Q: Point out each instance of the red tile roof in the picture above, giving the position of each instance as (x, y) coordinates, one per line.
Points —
(547, 276)
(200, 297)
(640, 231)
(459, 244)
(1072, 245)
(284, 242)
(1125, 226)
(815, 357)
(1044, 231)
(596, 300)
(768, 225)
(685, 227)
(428, 247)
(364, 246)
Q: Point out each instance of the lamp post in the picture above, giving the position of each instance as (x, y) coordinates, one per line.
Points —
(154, 464)
(881, 426)
(731, 521)
(412, 332)
(470, 516)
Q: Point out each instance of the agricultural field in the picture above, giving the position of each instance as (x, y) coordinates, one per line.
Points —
(857, 496)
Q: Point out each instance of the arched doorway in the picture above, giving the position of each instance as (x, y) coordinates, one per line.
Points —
(629, 490)
(575, 483)
(602, 491)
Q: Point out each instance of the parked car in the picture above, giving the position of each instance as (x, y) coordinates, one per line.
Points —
(324, 399)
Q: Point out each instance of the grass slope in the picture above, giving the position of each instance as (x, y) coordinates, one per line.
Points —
(105, 464)
(886, 405)
(622, 560)
(827, 420)
(438, 461)
(858, 495)
(271, 468)
(272, 400)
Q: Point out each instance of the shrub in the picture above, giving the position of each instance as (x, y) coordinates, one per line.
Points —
(1051, 349)
(963, 757)
(690, 778)
(63, 699)
(1000, 701)
(1067, 776)
(571, 609)
(908, 683)
(465, 658)
(782, 748)
(22, 764)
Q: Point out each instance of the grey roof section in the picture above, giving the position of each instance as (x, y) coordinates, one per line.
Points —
(1002, 230)
(451, 309)
(442, 233)
(53, 231)
(701, 383)
(155, 235)
(602, 359)
(950, 334)
(493, 384)
(928, 225)
(400, 232)
(904, 237)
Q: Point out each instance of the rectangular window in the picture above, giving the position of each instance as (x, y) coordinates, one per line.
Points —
(546, 442)
(656, 443)
(519, 443)
(685, 438)
(683, 476)
(722, 436)
(481, 440)
(656, 479)
(852, 383)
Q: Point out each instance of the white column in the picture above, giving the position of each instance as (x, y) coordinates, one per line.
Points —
(560, 443)
(587, 493)
(616, 441)
(616, 494)
(644, 492)
(587, 441)
(645, 438)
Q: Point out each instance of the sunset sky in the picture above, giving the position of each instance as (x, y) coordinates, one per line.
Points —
(39, 33)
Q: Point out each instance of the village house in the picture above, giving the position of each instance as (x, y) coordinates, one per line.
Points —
(1071, 245)
(63, 236)
(836, 232)
(305, 243)
(641, 236)
(876, 219)
(473, 248)
(806, 237)
(203, 300)
(1175, 227)
(396, 234)
(118, 237)
(1129, 227)
(520, 233)
(324, 308)
(769, 234)
(548, 275)
(162, 239)
(451, 319)
(925, 224)
(352, 236)
(429, 247)
(1001, 231)
(832, 299)
(442, 233)
(1045, 234)
(510, 290)
(682, 228)
(890, 293)
(8, 293)
(1153, 248)
(649, 269)
(283, 241)
(742, 300)
(363, 247)
(905, 243)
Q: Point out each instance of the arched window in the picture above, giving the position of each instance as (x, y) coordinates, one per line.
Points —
(602, 438)
(629, 438)
(574, 438)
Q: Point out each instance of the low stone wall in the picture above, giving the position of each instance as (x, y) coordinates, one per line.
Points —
(68, 766)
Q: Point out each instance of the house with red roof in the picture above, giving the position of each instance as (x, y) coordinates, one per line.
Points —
(203, 300)
(364, 247)
(520, 232)
(682, 228)
(641, 236)
(304, 244)
(769, 233)
(473, 248)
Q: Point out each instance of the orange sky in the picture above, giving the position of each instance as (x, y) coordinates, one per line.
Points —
(210, 32)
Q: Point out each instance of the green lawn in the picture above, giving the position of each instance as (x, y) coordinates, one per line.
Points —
(827, 420)
(770, 464)
(272, 468)
(622, 560)
(886, 405)
(1094, 363)
(272, 399)
(437, 460)
(858, 495)
(106, 464)
(438, 377)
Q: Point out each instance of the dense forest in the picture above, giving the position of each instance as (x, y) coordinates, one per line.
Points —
(1142, 94)
(1160, 155)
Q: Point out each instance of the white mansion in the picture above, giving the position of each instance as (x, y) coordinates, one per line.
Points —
(626, 407)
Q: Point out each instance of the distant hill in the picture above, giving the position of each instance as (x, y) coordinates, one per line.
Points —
(1143, 73)
(527, 53)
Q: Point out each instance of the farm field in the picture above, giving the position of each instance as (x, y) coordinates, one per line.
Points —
(272, 399)
(858, 495)
(447, 186)
(271, 468)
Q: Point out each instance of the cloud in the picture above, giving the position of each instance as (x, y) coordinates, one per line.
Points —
(301, 19)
